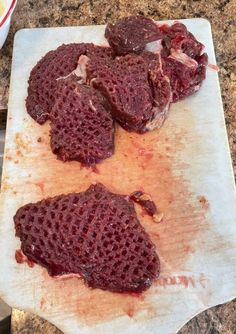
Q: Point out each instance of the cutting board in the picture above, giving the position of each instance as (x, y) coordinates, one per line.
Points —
(185, 167)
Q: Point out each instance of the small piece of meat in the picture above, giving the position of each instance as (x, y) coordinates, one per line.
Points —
(179, 38)
(94, 234)
(145, 201)
(186, 74)
(184, 63)
(124, 83)
(82, 127)
(131, 34)
(55, 64)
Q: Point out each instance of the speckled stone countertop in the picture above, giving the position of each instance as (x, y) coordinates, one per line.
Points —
(221, 14)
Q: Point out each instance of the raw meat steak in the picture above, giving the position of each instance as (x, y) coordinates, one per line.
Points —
(186, 74)
(124, 83)
(82, 127)
(95, 234)
(43, 77)
(136, 89)
(131, 34)
(185, 64)
(177, 37)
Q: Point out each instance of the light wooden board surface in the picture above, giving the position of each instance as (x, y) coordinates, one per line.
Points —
(185, 166)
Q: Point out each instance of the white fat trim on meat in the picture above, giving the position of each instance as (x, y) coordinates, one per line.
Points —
(159, 119)
(67, 276)
(155, 46)
(159, 116)
(80, 71)
(183, 58)
(196, 88)
(161, 66)
(91, 105)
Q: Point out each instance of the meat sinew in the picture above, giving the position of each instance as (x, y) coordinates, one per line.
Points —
(55, 64)
(95, 234)
(82, 127)
(131, 34)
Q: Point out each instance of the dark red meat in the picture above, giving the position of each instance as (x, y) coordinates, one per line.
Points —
(58, 63)
(124, 83)
(95, 234)
(82, 127)
(138, 92)
(177, 37)
(185, 65)
(131, 34)
(186, 74)
(145, 201)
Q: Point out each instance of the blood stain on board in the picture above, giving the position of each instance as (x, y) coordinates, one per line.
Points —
(184, 218)
(40, 185)
(203, 202)
(20, 142)
(42, 303)
(21, 258)
(188, 249)
(92, 168)
(130, 312)
(141, 150)
(105, 306)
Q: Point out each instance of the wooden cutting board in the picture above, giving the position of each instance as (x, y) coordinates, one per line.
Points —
(185, 166)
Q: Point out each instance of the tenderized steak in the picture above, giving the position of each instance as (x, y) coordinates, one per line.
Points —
(138, 91)
(82, 127)
(57, 63)
(95, 234)
(131, 34)
(124, 83)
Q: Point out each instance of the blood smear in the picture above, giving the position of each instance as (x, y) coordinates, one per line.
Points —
(214, 67)
(21, 258)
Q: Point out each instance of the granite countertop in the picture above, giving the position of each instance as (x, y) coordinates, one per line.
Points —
(221, 14)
